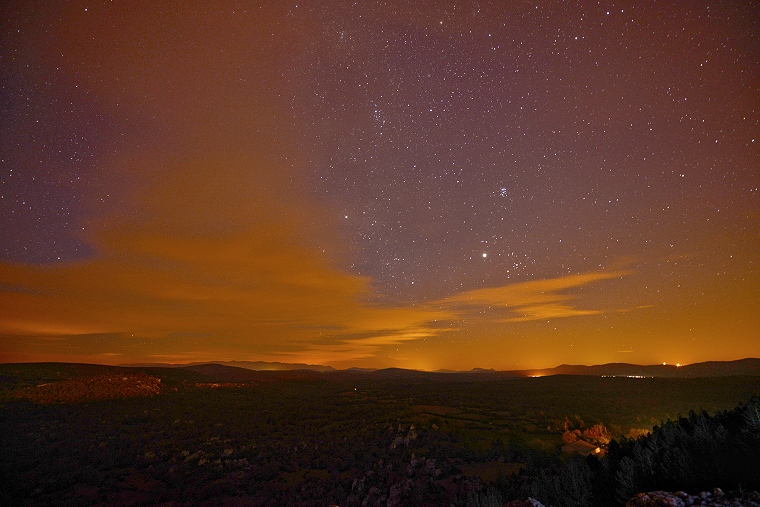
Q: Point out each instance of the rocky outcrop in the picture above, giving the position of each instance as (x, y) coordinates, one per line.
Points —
(714, 498)
(530, 502)
(404, 439)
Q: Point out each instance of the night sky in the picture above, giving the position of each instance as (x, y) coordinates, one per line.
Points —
(412, 184)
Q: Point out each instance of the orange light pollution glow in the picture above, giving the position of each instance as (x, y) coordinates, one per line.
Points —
(379, 186)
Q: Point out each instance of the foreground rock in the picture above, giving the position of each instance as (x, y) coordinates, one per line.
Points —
(530, 502)
(716, 498)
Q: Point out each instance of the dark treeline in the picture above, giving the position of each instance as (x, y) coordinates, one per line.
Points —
(694, 453)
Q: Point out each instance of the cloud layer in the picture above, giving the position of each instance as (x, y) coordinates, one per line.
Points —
(255, 293)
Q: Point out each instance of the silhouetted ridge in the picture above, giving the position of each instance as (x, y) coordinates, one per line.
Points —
(397, 373)
(749, 366)
(248, 365)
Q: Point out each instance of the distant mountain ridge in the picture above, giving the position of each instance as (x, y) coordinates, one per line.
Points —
(747, 366)
(248, 365)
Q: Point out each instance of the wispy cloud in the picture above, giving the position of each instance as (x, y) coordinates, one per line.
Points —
(353, 349)
(533, 300)
(253, 294)
(522, 302)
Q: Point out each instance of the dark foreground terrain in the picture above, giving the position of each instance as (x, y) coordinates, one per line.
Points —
(217, 435)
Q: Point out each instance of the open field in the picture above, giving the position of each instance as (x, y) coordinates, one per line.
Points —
(306, 438)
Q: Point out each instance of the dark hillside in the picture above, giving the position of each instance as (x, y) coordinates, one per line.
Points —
(748, 366)
(216, 435)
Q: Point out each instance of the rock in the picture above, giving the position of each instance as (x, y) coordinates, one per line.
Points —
(357, 490)
(530, 502)
(656, 499)
(196, 455)
(714, 498)
(398, 492)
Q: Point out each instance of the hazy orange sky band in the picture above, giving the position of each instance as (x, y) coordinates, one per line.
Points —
(218, 247)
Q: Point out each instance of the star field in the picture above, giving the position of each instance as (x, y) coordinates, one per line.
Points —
(555, 138)
(417, 184)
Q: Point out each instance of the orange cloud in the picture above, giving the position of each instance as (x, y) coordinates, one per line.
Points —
(347, 350)
(258, 293)
(534, 300)
(253, 292)
(244, 275)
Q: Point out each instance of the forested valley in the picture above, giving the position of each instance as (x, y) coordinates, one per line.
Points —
(92, 435)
